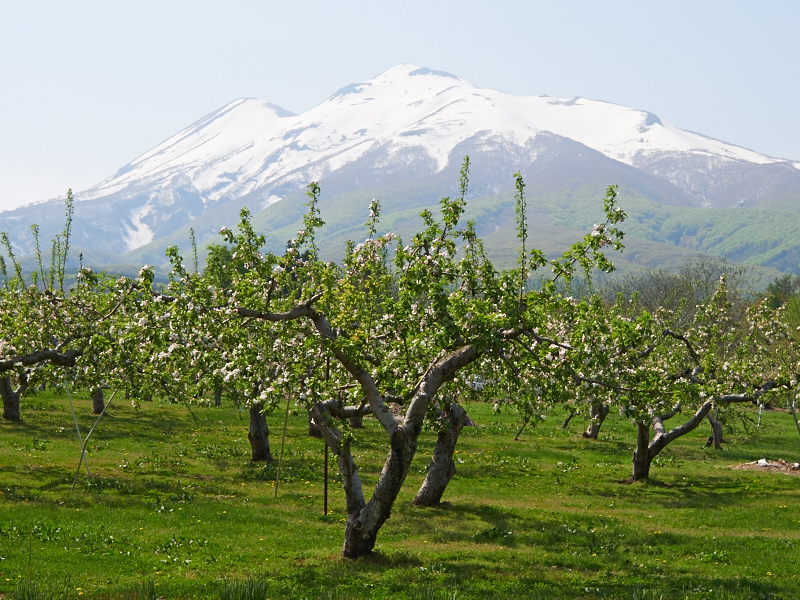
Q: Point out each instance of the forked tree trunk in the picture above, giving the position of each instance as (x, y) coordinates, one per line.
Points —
(597, 414)
(357, 422)
(442, 467)
(98, 404)
(364, 519)
(647, 450)
(258, 435)
(10, 399)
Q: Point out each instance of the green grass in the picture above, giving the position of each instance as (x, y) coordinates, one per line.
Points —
(175, 509)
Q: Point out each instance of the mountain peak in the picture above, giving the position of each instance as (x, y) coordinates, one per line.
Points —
(406, 75)
(407, 70)
(399, 77)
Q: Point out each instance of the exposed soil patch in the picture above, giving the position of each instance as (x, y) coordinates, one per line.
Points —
(776, 466)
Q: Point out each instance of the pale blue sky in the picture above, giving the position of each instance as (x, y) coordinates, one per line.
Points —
(87, 86)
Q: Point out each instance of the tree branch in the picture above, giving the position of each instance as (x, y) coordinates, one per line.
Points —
(62, 359)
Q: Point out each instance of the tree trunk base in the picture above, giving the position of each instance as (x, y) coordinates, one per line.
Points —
(716, 433)
(641, 456)
(631, 480)
(355, 545)
(10, 400)
(597, 414)
(98, 403)
(259, 436)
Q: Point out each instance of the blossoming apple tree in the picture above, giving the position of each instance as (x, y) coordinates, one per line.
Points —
(654, 372)
(349, 339)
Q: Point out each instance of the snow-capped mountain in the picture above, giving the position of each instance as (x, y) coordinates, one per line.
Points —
(406, 124)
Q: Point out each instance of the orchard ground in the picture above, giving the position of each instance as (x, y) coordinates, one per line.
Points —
(175, 509)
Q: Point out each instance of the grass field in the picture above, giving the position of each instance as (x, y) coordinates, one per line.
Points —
(175, 509)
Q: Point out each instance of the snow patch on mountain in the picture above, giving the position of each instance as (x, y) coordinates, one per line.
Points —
(137, 232)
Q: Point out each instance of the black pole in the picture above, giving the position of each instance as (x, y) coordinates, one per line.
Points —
(325, 479)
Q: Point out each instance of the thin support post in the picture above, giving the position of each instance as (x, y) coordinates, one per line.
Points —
(88, 435)
(521, 429)
(283, 443)
(78, 432)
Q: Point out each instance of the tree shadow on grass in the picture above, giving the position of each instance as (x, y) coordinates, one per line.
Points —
(478, 523)
(707, 492)
(141, 425)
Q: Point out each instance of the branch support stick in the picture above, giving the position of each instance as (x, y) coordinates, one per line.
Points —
(88, 435)
(283, 443)
(78, 431)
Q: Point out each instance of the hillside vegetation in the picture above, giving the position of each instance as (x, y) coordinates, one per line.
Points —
(656, 235)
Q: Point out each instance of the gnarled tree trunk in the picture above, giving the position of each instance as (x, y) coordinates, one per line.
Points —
(597, 414)
(645, 453)
(98, 404)
(258, 435)
(716, 433)
(10, 399)
(647, 450)
(363, 524)
(313, 430)
(641, 456)
(364, 519)
(442, 467)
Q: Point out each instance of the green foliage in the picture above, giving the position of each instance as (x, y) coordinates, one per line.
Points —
(17, 268)
(791, 313)
(683, 290)
(58, 255)
(65, 240)
(193, 241)
(586, 254)
(782, 289)
(657, 236)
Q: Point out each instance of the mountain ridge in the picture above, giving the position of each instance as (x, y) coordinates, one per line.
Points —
(407, 124)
